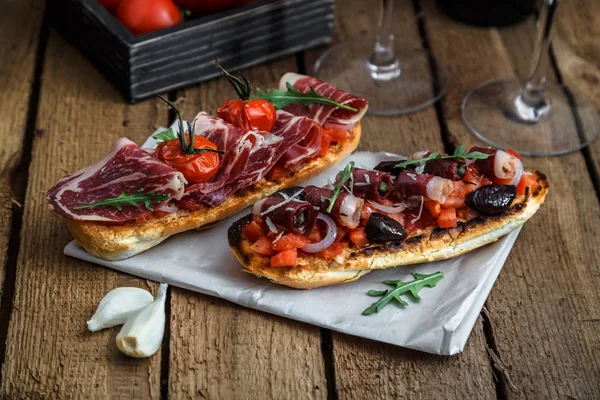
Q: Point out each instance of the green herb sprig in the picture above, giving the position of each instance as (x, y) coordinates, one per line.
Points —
(459, 154)
(412, 288)
(163, 136)
(133, 199)
(188, 148)
(281, 98)
(345, 175)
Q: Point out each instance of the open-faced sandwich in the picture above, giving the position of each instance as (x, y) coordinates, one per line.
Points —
(429, 207)
(135, 198)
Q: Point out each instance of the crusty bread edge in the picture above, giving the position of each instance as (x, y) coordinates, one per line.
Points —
(441, 244)
(123, 241)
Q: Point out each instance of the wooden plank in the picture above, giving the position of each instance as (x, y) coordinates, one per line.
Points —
(22, 20)
(368, 369)
(222, 350)
(577, 50)
(49, 351)
(544, 306)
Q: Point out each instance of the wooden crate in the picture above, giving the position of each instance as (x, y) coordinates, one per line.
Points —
(140, 66)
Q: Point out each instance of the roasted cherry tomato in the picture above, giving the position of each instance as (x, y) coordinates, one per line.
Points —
(252, 115)
(337, 134)
(204, 6)
(195, 167)
(110, 5)
(143, 16)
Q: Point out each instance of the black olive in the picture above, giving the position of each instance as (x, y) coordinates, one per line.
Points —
(492, 199)
(291, 191)
(381, 228)
(390, 166)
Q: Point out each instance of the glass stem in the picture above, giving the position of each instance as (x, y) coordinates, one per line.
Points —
(533, 94)
(383, 62)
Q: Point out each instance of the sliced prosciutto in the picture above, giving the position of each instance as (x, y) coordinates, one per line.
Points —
(125, 169)
(372, 185)
(289, 214)
(264, 150)
(319, 112)
(409, 183)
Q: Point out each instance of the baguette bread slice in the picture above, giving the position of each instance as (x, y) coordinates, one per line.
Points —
(116, 242)
(433, 244)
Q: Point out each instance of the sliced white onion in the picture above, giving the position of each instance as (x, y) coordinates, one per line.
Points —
(418, 155)
(169, 208)
(348, 127)
(518, 166)
(387, 209)
(439, 189)
(257, 207)
(327, 240)
(350, 210)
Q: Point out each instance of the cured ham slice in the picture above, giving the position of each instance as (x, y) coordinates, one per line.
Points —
(287, 214)
(372, 185)
(125, 169)
(322, 113)
(346, 209)
(409, 183)
(264, 150)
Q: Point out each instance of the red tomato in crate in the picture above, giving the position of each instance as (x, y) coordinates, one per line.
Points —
(144, 16)
(110, 5)
(204, 6)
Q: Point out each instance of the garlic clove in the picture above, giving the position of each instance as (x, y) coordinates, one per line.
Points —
(118, 306)
(142, 334)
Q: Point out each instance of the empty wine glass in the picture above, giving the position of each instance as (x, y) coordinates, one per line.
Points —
(394, 81)
(534, 117)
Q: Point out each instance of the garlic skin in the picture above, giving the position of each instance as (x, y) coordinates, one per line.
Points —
(118, 306)
(142, 334)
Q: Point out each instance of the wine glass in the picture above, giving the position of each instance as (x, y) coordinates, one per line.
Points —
(534, 117)
(393, 81)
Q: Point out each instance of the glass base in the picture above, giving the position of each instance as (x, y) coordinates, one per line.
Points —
(406, 85)
(496, 113)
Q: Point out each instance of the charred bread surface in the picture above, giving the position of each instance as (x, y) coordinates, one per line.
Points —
(433, 244)
(117, 242)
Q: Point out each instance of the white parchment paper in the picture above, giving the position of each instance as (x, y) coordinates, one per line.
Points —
(440, 323)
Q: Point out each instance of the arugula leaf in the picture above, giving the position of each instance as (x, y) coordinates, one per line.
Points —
(134, 199)
(345, 175)
(165, 135)
(459, 154)
(412, 288)
(281, 98)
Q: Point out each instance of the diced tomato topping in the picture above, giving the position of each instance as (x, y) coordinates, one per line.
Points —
(513, 153)
(286, 258)
(325, 142)
(315, 235)
(459, 189)
(366, 212)
(290, 241)
(263, 246)
(160, 213)
(447, 218)
(455, 202)
(337, 134)
(433, 207)
(472, 179)
(466, 213)
(332, 251)
(341, 232)
(358, 237)
(485, 181)
(527, 180)
(276, 173)
(141, 219)
(253, 231)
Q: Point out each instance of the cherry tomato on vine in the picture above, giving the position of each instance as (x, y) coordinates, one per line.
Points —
(196, 168)
(110, 5)
(256, 114)
(144, 16)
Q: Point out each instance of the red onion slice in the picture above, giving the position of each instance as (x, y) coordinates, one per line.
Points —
(387, 209)
(327, 240)
(518, 165)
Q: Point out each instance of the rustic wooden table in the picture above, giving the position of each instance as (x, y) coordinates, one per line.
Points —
(537, 337)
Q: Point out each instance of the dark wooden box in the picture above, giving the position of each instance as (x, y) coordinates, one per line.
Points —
(140, 66)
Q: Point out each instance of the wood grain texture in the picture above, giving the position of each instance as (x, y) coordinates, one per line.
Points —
(544, 306)
(220, 350)
(50, 353)
(368, 369)
(19, 29)
(577, 50)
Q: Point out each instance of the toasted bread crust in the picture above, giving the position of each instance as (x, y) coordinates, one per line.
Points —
(433, 244)
(123, 241)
